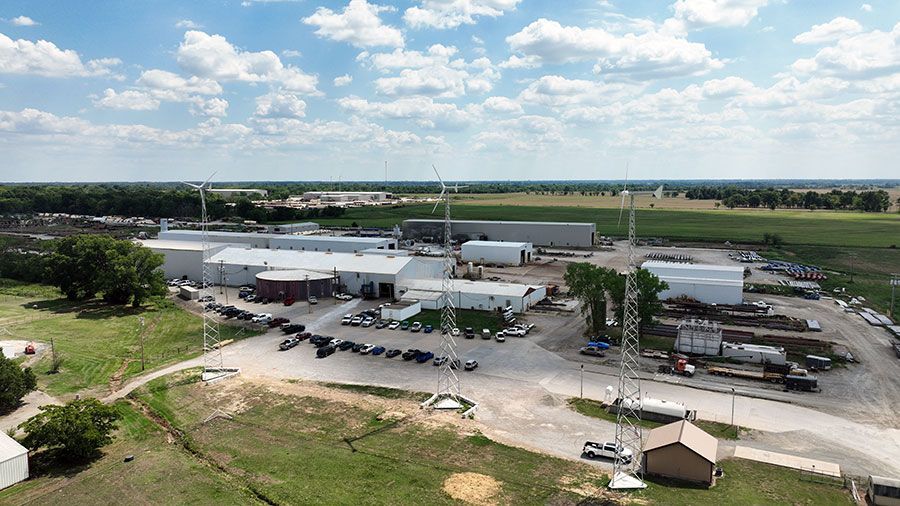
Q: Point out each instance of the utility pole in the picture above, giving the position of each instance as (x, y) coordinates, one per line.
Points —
(895, 282)
(308, 304)
(581, 395)
(142, 343)
(732, 409)
(221, 277)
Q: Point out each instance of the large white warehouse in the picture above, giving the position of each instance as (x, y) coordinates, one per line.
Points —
(338, 244)
(182, 257)
(13, 461)
(379, 275)
(712, 284)
(497, 252)
(481, 295)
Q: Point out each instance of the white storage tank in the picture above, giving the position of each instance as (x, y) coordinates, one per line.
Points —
(13, 461)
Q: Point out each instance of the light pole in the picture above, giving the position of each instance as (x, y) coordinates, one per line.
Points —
(895, 282)
(142, 343)
(581, 395)
(732, 409)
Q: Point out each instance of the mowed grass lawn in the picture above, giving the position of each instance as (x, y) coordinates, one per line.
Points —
(96, 341)
(464, 318)
(795, 227)
(286, 447)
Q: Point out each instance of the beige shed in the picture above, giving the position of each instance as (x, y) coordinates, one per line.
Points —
(681, 450)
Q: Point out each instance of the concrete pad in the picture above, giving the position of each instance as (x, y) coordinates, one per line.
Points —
(791, 461)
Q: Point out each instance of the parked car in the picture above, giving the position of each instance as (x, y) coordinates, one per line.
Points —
(410, 354)
(428, 329)
(404, 325)
(394, 325)
(500, 338)
(250, 298)
(367, 321)
(276, 322)
(485, 333)
(439, 361)
(416, 326)
(357, 347)
(514, 332)
(336, 342)
(312, 300)
(347, 319)
(608, 450)
(611, 322)
(356, 321)
(392, 353)
(303, 336)
(324, 351)
(245, 315)
(380, 324)
(471, 365)
(292, 328)
(316, 340)
(288, 343)
(424, 356)
(470, 333)
(454, 331)
(366, 349)
(378, 350)
(263, 318)
(591, 350)
(346, 345)
(289, 301)
(343, 296)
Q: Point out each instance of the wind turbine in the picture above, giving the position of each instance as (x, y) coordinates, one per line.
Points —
(213, 367)
(447, 395)
(627, 472)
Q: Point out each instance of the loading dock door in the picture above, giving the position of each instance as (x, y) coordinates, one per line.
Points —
(386, 290)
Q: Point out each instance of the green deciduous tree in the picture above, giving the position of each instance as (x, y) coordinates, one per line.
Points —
(15, 383)
(83, 266)
(649, 287)
(589, 283)
(75, 431)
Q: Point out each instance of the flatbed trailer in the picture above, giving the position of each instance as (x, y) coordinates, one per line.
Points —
(774, 377)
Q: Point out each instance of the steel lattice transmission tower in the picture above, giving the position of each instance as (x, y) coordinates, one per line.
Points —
(213, 367)
(627, 472)
(447, 395)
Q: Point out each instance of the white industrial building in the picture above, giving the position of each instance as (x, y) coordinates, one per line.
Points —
(401, 310)
(379, 275)
(497, 252)
(348, 196)
(480, 295)
(712, 284)
(183, 258)
(698, 337)
(295, 228)
(338, 244)
(13, 461)
(543, 233)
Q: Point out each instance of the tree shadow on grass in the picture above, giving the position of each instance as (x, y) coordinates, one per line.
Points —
(93, 309)
(675, 483)
(55, 464)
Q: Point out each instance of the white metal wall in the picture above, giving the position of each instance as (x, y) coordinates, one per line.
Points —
(708, 293)
(403, 313)
(491, 254)
(13, 471)
(321, 243)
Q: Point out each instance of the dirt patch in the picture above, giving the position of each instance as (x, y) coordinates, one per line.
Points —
(472, 488)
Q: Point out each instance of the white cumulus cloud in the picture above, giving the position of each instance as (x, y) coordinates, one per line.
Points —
(699, 14)
(187, 23)
(133, 100)
(343, 80)
(833, 30)
(44, 58)
(860, 56)
(280, 105)
(453, 13)
(23, 21)
(358, 24)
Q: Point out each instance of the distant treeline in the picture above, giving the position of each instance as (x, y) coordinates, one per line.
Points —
(874, 201)
(150, 201)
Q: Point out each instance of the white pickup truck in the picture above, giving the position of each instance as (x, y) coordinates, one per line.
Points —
(607, 450)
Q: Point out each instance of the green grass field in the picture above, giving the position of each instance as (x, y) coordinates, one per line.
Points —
(287, 446)
(464, 318)
(876, 230)
(98, 342)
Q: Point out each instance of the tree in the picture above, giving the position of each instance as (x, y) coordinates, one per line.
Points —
(74, 431)
(589, 283)
(15, 383)
(83, 266)
(649, 287)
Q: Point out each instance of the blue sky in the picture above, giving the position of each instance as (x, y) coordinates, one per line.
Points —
(485, 89)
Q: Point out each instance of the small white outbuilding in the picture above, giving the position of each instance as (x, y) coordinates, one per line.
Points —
(497, 252)
(712, 284)
(13, 461)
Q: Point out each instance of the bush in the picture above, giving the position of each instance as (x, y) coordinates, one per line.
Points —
(15, 383)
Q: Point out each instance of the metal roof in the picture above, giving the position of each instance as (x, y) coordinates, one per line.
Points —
(292, 275)
(171, 244)
(884, 481)
(320, 261)
(492, 222)
(498, 244)
(310, 238)
(691, 267)
(10, 448)
(475, 287)
(686, 433)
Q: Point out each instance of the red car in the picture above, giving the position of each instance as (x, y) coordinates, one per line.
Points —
(289, 301)
(278, 321)
(303, 336)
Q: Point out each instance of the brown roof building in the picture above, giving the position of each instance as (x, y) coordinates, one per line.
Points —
(680, 450)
